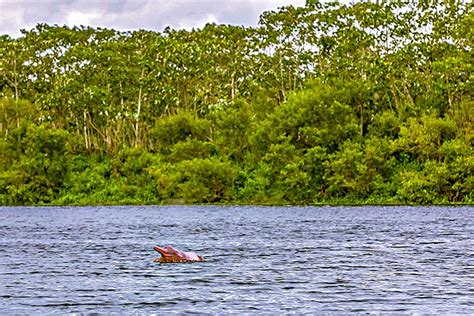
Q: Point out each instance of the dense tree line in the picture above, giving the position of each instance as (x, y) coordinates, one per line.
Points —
(326, 103)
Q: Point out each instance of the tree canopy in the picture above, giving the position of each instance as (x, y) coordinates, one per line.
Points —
(326, 103)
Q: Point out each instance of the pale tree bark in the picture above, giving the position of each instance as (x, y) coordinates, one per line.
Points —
(139, 106)
(86, 139)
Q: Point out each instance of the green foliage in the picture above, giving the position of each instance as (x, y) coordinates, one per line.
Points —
(232, 126)
(39, 172)
(190, 149)
(325, 103)
(195, 181)
(424, 137)
(177, 128)
(360, 170)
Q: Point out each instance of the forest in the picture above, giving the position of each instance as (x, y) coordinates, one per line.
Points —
(329, 103)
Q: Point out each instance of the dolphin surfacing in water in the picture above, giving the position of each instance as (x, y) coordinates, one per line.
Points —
(173, 255)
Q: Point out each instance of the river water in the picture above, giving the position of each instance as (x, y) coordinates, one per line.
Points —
(259, 260)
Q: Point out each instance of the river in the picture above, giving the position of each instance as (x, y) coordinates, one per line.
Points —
(259, 260)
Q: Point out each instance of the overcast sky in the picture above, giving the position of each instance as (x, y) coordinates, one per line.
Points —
(132, 14)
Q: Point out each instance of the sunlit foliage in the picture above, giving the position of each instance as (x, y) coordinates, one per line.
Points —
(326, 103)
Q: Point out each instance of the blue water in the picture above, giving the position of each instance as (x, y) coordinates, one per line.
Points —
(260, 260)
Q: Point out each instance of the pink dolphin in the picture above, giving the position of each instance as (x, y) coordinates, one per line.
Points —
(170, 254)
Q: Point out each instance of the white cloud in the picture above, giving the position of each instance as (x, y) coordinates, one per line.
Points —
(133, 14)
(80, 18)
(10, 15)
(197, 23)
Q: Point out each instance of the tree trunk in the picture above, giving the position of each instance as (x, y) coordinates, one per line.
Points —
(139, 106)
(86, 140)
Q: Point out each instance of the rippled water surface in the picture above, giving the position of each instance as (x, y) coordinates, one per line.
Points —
(260, 259)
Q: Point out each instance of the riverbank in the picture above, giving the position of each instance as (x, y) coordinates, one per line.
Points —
(381, 113)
